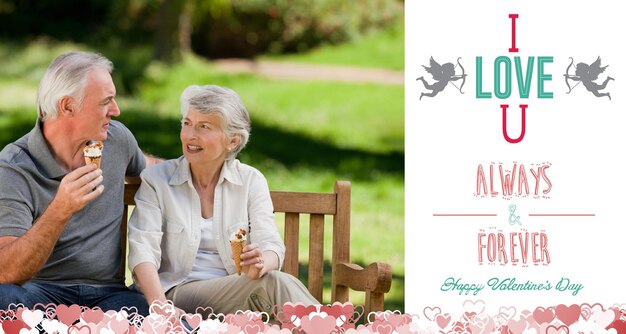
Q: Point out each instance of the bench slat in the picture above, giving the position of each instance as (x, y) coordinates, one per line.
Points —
(292, 237)
(316, 256)
(314, 203)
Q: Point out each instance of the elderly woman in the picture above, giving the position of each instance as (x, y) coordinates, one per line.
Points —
(188, 208)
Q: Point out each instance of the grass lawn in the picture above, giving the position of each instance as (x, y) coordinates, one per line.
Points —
(384, 49)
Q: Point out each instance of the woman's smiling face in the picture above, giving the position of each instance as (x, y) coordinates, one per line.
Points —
(203, 138)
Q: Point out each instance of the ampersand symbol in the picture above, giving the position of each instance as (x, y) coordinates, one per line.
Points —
(513, 219)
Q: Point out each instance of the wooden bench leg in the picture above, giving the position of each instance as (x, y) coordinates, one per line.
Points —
(374, 302)
(340, 293)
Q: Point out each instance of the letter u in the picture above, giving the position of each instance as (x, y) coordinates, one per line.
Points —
(504, 132)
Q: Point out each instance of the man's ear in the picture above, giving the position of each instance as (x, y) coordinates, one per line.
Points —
(66, 106)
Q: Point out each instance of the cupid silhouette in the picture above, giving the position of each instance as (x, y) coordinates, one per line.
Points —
(587, 74)
(442, 74)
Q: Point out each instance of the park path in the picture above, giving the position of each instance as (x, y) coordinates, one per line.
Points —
(307, 72)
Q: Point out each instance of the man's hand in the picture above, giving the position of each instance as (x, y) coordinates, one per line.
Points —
(78, 188)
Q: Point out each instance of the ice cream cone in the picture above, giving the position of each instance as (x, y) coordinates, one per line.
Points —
(237, 248)
(93, 160)
(237, 241)
(93, 152)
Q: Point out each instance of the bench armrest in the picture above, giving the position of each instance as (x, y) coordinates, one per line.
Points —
(374, 278)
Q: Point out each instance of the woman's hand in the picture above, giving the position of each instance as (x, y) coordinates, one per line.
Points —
(148, 278)
(173, 317)
(252, 262)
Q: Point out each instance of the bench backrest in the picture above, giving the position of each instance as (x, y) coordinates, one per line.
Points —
(294, 205)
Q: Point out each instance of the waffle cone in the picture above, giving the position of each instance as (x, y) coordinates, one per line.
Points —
(93, 160)
(237, 249)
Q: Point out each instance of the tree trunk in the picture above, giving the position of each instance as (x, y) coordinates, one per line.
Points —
(167, 46)
(185, 26)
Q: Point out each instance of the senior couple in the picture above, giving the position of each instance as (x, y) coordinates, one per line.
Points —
(60, 217)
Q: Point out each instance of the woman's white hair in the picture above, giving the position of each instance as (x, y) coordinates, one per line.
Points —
(224, 103)
(67, 76)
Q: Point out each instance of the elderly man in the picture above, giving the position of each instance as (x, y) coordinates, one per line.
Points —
(60, 217)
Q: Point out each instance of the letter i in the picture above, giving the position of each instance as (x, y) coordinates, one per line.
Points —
(513, 48)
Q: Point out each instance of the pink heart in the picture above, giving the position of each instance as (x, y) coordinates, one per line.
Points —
(556, 330)
(604, 318)
(469, 315)
(205, 311)
(460, 327)
(93, 328)
(31, 318)
(542, 315)
(568, 314)
(8, 314)
(396, 319)
(155, 323)
(507, 312)
(300, 310)
(431, 312)
(532, 323)
(68, 315)
(163, 308)
(131, 311)
(5, 315)
(517, 326)
(193, 320)
(477, 307)
(338, 309)
(18, 313)
(443, 320)
(482, 324)
(252, 329)
(79, 329)
(118, 325)
(374, 316)
(282, 317)
(241, 319)
(360, 309)
(383, 328)
(44, 307)
(317, 324)
(93, 316)
(290, 314)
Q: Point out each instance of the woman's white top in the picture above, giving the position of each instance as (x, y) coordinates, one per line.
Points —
(165, 227)
(208, 264)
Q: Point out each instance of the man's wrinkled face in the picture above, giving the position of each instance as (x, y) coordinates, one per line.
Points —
(98, 106)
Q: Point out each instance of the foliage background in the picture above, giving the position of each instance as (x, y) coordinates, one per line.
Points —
(306, 134)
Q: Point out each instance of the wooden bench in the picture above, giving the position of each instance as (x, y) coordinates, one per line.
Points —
(374, 280)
